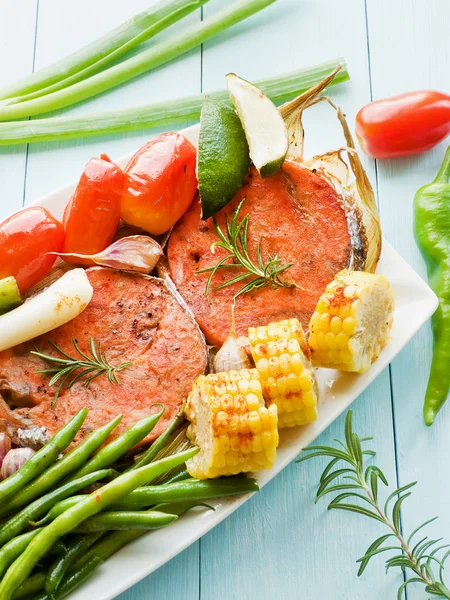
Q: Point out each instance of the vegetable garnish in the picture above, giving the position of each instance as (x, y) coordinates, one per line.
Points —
(431, 224)
(61, 302)
(9, 294)
(138, 253)
(157, 55)
(171, 112)
(68, 365)
(92, 216)
(264, 127)
(403, 125)
(223, 156)
(362, 483)
(235, 241)
(160, 183)
(102, 52)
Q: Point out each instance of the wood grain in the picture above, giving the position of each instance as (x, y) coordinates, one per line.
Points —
(279, 544)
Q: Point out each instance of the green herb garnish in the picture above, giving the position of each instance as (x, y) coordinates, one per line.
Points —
(89, 367)
(235, 241)
(425, 558)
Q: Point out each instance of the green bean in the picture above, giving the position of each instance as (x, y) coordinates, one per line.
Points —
(114, 450)
(126, 520)
(191, 489)
(57, 570)
(73, 580)
(33, 585)
(178, 474)
(148, 456)
(68, 521)
(13, 549)
(69, 463)
(39, 507)
(43, 458)
(114, 541)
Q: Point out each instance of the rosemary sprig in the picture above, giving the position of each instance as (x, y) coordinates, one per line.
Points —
(425, 558)
(235, 241)
(89, 367)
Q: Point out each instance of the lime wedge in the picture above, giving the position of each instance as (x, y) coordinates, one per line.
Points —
(223, 156)
(264, 127)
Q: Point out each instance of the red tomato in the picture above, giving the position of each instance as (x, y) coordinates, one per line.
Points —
(92, 216)
(25, 239)
(403, 125)
(161, 183)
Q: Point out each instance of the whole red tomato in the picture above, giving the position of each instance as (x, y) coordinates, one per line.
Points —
(25, 240)
(92, 216)
(403, 125)
(161, 183)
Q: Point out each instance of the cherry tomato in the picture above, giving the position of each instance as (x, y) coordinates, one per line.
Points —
(161, 183)
(403, 125)
(92, 216)
(25, 239)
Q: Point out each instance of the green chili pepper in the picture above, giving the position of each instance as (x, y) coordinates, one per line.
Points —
(432, 232)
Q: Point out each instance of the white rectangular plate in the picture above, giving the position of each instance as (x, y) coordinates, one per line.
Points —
(415, 303)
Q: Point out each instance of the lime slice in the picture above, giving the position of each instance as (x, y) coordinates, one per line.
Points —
(223, 157)
(264, 127)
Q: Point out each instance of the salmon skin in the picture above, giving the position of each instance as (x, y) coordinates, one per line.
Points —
(135, 318)
(295, 213)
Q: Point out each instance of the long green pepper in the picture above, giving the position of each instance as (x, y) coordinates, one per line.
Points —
(69, 463)
(43, 458)
(432, 232)
(67, 522)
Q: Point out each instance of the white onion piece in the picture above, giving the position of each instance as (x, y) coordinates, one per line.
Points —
(14, 460)
(5, 446)
(59, 303)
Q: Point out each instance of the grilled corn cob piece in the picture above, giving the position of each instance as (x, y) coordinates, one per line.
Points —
(283, 359)
(236, 433)
(352, 321)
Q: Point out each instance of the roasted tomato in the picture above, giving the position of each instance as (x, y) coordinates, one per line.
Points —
(25, 240)
(92, 216)
(161, 183)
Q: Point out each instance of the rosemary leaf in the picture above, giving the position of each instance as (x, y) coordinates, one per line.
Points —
(235, 241)
(68, 366)
(420, 559)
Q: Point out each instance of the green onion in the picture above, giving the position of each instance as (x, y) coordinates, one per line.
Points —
(157, 55)
(101, 53)
(182, 110)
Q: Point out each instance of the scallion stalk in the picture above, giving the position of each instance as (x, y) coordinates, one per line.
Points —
(173, 112)
(149, 59)
(102, 52)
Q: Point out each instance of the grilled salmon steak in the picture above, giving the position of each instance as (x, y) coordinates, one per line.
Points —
(135, 319)
(296, 214)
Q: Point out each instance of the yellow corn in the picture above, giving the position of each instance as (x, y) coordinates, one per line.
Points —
(352, 321)
(282, 357)
(229, 422)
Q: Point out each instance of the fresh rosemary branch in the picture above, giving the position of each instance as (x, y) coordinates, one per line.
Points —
(235, 241)
(354, 480)
(85, 367)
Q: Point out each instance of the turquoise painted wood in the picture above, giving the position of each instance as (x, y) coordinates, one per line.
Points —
(279, 544)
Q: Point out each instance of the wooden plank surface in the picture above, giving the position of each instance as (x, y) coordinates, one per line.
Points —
(409, 50)
(279, 544)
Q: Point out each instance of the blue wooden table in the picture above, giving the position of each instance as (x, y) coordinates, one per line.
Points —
(279, 545)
